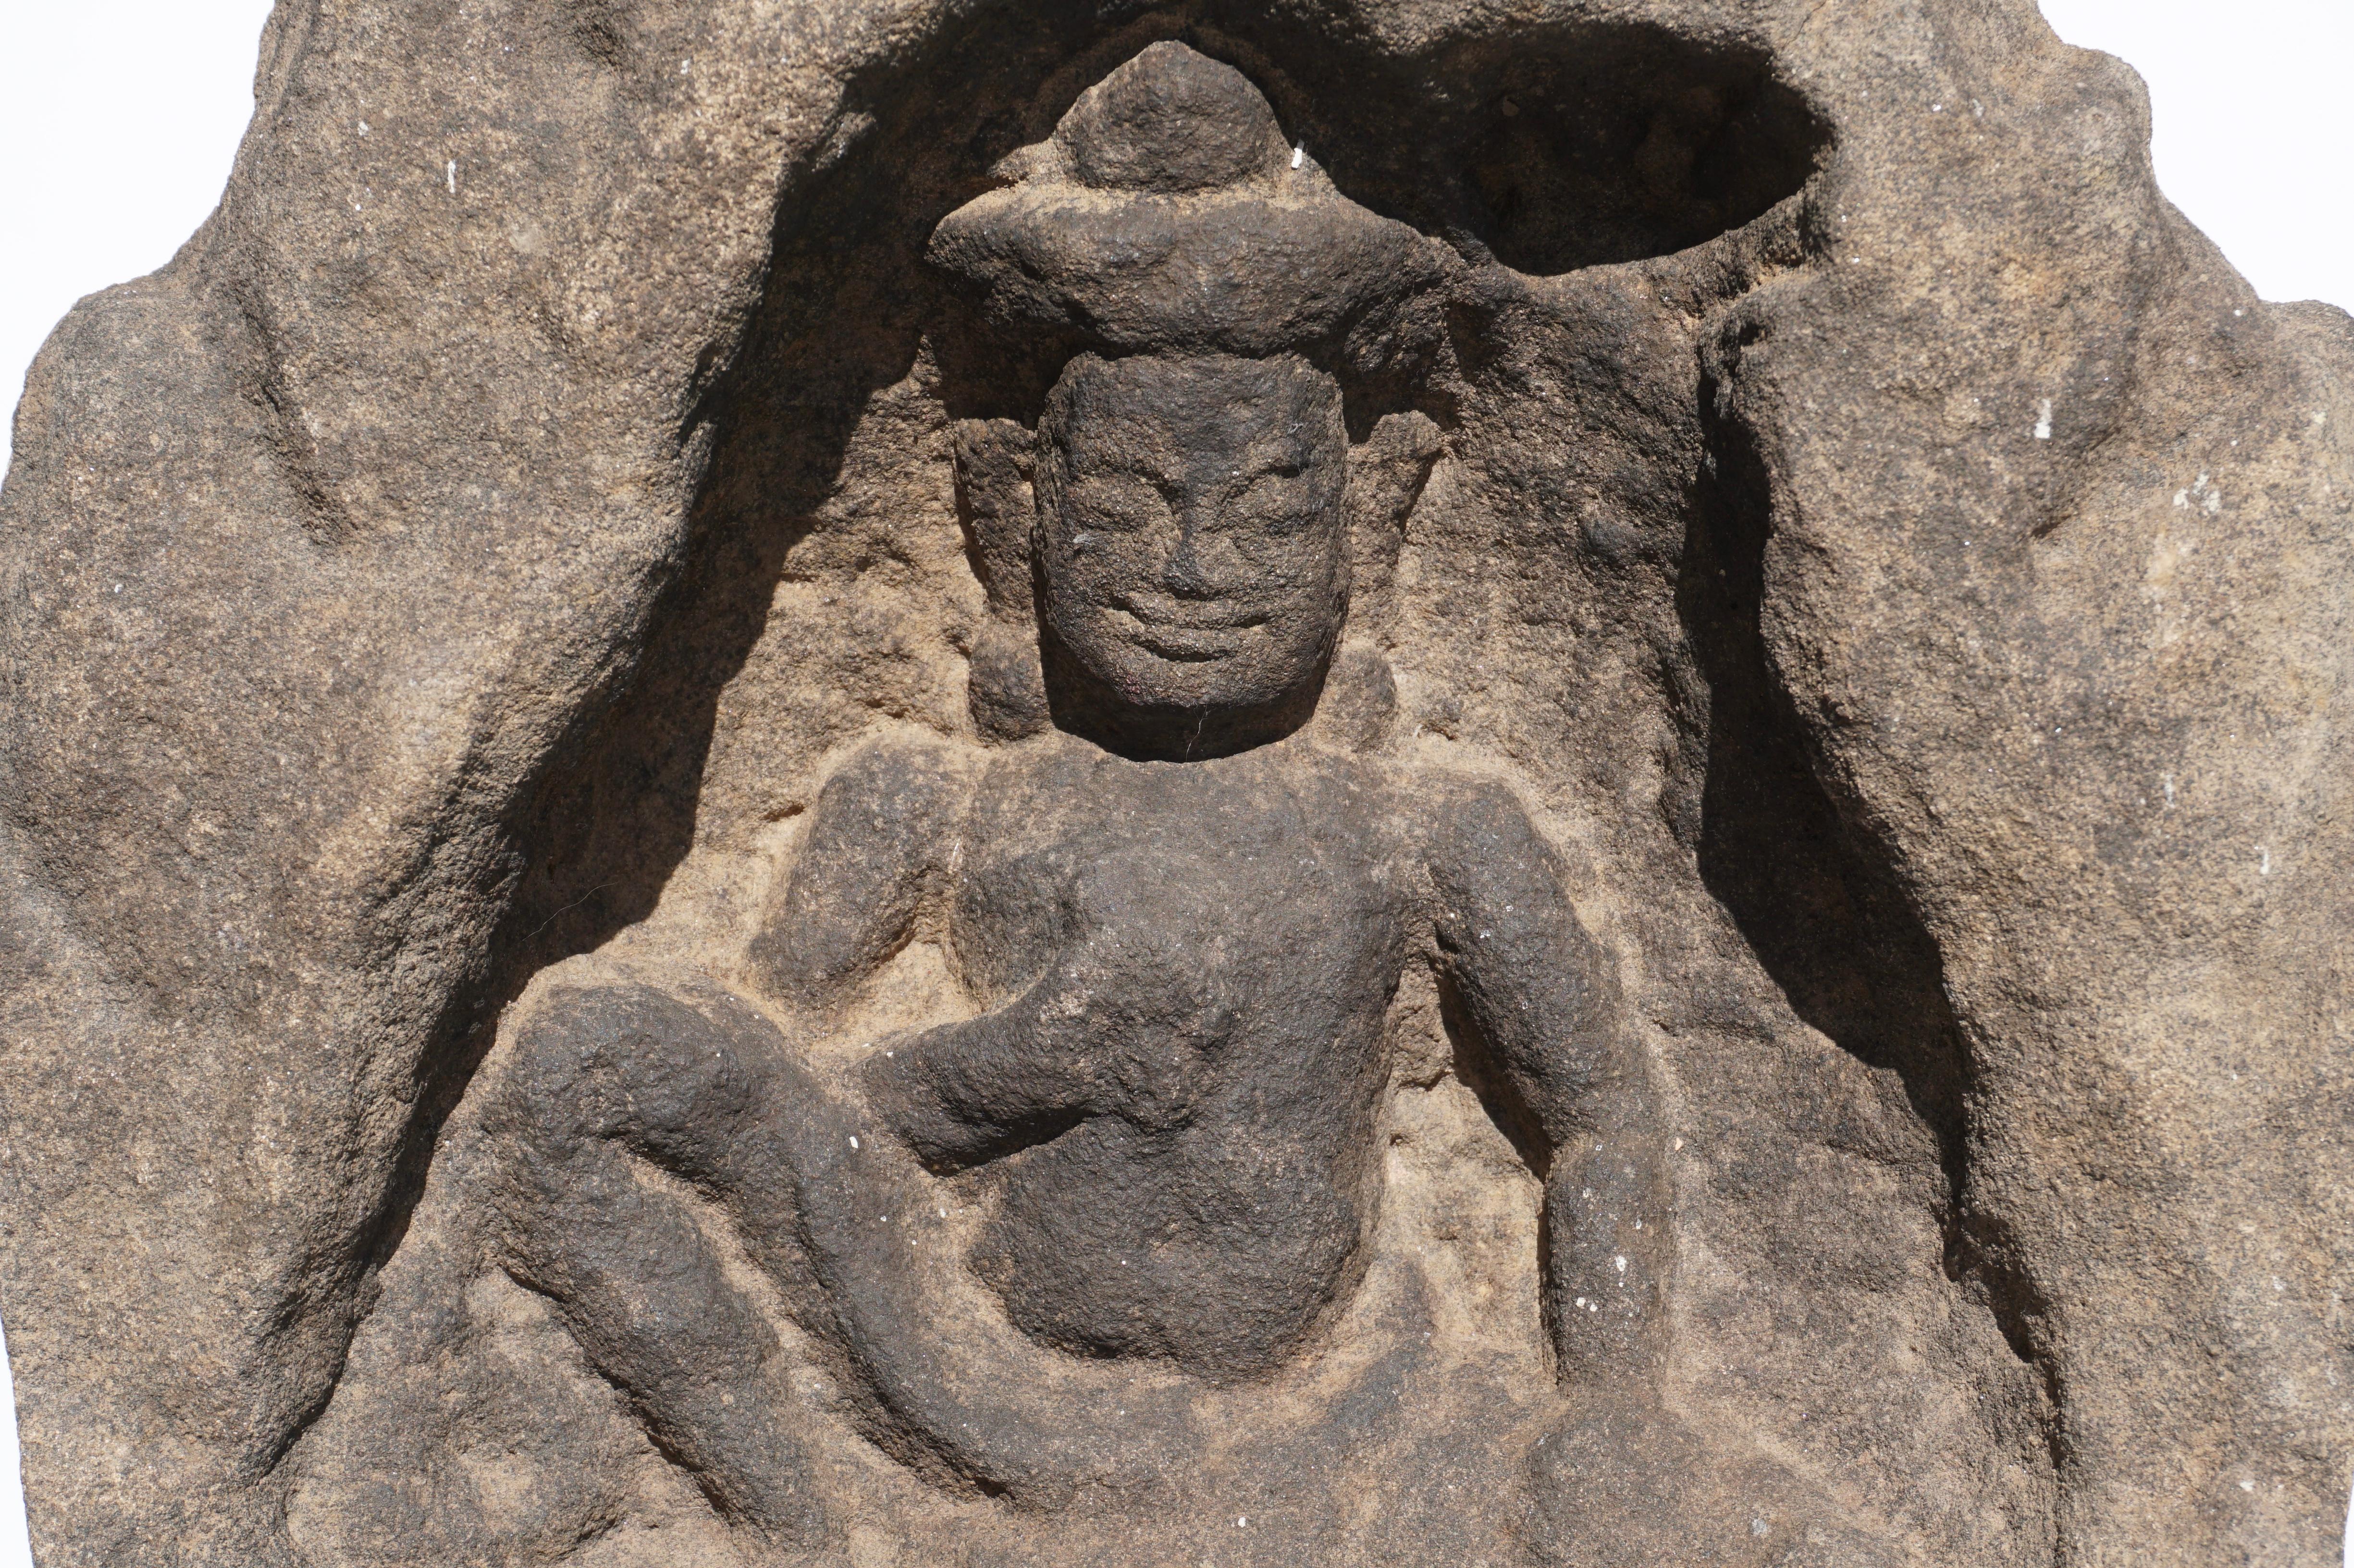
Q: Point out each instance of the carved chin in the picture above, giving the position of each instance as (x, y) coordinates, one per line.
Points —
(1188, 679)
(1237, 670)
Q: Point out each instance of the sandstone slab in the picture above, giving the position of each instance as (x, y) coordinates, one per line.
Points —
(1323, 782)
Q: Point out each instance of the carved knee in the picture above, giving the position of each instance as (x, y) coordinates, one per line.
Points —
(630, 1063)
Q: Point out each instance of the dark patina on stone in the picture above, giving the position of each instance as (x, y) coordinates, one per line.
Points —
(867, 785)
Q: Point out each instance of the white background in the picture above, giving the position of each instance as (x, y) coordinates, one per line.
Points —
(119, 119)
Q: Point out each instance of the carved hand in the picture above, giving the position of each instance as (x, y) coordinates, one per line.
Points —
(1120, 1025)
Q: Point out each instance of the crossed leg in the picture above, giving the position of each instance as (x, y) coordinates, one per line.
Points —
(604, 1080)
(609, 1075)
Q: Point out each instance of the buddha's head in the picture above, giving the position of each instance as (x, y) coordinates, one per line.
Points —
(1191, 547)
(1196, 493)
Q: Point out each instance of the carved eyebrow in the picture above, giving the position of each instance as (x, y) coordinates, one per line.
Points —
(1235, 474)
(1084, 463)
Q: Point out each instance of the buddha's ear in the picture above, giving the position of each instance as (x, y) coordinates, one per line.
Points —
(1006, 685)
(995, 501)
(1387, 473)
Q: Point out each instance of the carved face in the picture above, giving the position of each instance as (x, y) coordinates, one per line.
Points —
(1193, 545)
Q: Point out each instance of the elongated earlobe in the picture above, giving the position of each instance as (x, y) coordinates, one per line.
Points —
(1387, 473)
(996, 503)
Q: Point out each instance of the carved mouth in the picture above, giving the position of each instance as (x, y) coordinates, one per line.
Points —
(1184, 645)
(1188, 634)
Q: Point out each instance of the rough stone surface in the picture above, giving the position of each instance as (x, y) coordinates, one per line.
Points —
(1547, 785)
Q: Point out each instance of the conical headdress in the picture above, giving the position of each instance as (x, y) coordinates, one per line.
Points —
(1167, 213)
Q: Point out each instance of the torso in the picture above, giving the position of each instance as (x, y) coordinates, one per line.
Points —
(1215, 1215)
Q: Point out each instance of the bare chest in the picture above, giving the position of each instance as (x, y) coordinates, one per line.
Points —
(1250, 876)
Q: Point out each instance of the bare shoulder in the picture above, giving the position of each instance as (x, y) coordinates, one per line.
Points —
(896, 782)
(1464, 821)
(879, 837)
(1024, 792)
(884, 810)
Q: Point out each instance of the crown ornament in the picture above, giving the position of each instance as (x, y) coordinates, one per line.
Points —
(1168, 214)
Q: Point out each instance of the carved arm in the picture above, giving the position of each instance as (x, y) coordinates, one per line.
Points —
(1543, 1010)
(875, 854)
(1121, 1024)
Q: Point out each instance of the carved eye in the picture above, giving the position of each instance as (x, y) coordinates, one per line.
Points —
(1116, 504)
(1278, 502)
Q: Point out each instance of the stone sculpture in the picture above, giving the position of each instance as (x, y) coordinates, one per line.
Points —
(1182, 912)
(1240, 785)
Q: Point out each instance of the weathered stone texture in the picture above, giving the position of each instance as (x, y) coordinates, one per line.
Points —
(1814, 514)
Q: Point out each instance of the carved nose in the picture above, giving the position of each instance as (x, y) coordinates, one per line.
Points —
(1187, 572)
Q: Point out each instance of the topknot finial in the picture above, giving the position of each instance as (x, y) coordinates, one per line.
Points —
(1170, 119)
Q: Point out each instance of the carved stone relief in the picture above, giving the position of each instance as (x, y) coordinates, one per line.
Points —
(1325, 784)
(1175, 1110)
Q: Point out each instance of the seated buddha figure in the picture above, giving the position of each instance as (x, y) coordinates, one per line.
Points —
(1177, 912)
(1183, 920)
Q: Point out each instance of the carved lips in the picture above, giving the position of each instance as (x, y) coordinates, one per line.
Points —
(1187, 634)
